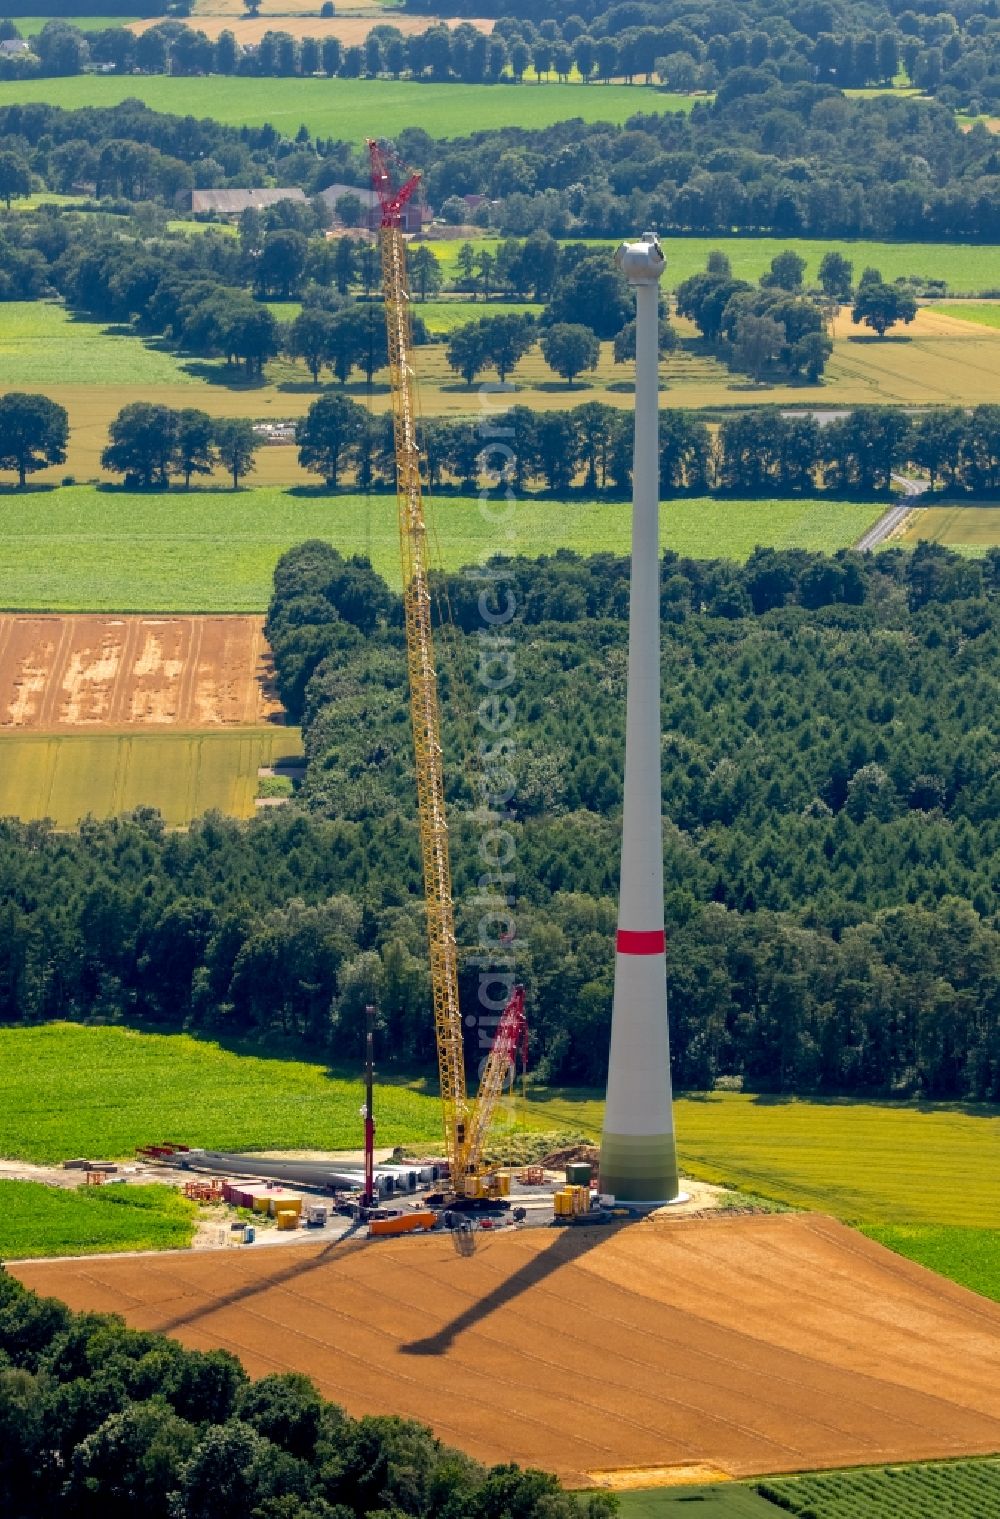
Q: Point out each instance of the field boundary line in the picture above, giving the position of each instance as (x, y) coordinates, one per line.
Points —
(157, 731)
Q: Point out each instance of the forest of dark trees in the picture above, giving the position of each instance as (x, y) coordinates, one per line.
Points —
(764, 157)
(830, 791)
(98, 1421)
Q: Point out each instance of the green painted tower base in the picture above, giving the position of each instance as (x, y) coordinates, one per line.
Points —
(639, 1168)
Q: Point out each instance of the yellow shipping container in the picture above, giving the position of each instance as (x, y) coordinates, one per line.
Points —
(285, 1203)
(288, 1218)
(562, 1202)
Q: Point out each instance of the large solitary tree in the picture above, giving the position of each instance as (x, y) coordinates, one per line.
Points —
(33, 433)
(332, 429)
(466, 352)
(880, 306)
(569, 348)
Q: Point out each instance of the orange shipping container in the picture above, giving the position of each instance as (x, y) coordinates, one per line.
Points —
(403, 1223)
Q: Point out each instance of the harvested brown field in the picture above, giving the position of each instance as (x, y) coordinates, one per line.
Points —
(749, 1345)
(89, 672)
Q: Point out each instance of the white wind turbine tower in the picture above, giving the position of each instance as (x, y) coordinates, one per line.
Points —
(638, 1151)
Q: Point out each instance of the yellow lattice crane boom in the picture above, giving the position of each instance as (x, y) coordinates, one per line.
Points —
(466, 1125)
(420, 663)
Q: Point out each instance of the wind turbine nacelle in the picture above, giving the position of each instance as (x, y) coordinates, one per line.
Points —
(643, 262)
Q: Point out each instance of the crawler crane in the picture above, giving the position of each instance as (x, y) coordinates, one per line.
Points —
(466, 1122)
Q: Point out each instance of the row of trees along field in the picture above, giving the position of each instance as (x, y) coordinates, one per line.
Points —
(829, 785)
(589, 448)
(852, 45)
(938, 53)
(100, 1421)
(763, 157)
(759, 451)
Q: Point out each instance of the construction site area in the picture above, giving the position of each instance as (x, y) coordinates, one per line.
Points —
(686, 1349)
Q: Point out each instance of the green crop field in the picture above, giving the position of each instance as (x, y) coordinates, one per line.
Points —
(968, 1489)
(38, 1220)
(71, 776)
(42, 345)
(982, 313)
(958, 1489)
(724, 1500)
(69, 1090)
(961, 527)
(66, 1090)
(77, 548)
(969, 1256)
(869, 1163)
(348, 108)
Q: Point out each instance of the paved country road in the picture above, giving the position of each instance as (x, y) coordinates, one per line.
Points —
(895, 516)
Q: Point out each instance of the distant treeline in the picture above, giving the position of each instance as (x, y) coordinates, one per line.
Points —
(785, 160)
(832, 829)
(105, 1422)
(958, 59)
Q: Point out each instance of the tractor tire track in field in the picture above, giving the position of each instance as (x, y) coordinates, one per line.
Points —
(84, 673)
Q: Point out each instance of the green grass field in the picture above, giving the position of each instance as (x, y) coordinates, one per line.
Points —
(984, 314)
(348, 108)
(875, 1164)
(30, 26)
(65, 778)
(78, 548)
(966, 267)
(66, 1090)
(42, 345)
(957, 1489)
(38, 1220)
(445, 316)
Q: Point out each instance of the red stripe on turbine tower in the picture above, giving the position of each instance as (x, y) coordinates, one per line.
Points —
(641, 941)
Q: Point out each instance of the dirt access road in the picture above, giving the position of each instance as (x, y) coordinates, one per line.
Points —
(742, 1345)
(61, 673)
